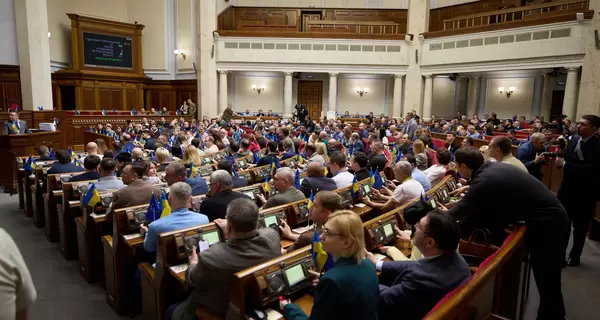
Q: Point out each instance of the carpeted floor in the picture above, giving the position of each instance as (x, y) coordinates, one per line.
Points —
(63, 294)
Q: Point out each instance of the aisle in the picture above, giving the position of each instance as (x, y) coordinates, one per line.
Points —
(62, 292)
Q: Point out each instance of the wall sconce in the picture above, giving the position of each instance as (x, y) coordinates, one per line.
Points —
(258, 89)
(180, 52)
(507, 92)
(49, 34)
(362, 91)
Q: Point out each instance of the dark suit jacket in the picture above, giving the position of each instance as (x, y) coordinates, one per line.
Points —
(526, 153)
(150, 144)
(136, 193)
(211, 277)
(377, 162)
(316, 184)
(215, 207)
(238, 182)
(64, 168)
(199, 186)
(348, 291)
(92, 175)
(268, 159)
(416, 287)
(7, 128)
(362, 174)
(576, 171)
(453, 147)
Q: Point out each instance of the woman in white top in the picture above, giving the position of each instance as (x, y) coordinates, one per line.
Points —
(436, 172)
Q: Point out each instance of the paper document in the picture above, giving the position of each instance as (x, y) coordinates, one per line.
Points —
(179, 268)
(202, 245)
(360, 205)
(378, 256)
(273, 314)
(132, 236)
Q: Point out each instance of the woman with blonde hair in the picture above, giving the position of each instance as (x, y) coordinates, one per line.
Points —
(349, 290)
(420, 155)
(322, 151)
(162, 157)
(191, 156)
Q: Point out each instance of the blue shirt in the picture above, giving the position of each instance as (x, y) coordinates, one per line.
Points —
(421, 178)
(178, 219)
(199, 186)
(474, 135)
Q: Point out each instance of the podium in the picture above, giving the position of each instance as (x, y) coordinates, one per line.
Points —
(21, 145)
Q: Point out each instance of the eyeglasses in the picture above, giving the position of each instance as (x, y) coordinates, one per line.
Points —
(419, 227)
(327, 232)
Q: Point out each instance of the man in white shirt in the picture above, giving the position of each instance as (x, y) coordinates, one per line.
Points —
(17, 292)
(91, 148)
(211, 147)
(407, 191)
(500, 150)
(436, 172)
(337, 166)
(223, 134)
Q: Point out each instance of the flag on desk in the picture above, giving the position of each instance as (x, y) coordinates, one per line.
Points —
(301, 158)
(274, 166)
(256, 157)
(325, 170)
(154, 210)
(30, 165)
(51, 154)
(378, 182)
(297, 179)
(104, 112)
(76, 162)
(267, 186)
(399, 156)
(92, 197)
(193, 171)
(76, 112)
(71, 152)
(311, 200)
(165, 208)
(371, 176)
(322, 260)
(234, 172)
(133, 112)
(56, 122)
(40, 108)
(355, 187)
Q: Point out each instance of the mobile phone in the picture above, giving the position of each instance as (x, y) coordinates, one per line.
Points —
(550, 154)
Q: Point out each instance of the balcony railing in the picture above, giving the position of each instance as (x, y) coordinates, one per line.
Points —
(342, 26)
(515, 14)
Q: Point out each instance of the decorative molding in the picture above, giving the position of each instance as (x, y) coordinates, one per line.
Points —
(570, 61)
(314, 68)
(57, 65)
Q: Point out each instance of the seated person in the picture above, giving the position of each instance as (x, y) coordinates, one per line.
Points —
(436, 172)
(270, 157)
(210, 272)
(286, 192)
(412, 288)
(219, 195)
(64, 163)
(176, 172)
(316, 180)
(326, 202)
(407, 191)
(108, 180)
(312, 155)
(288, 145)
(162, 157)
(137, 192)
(349, 290)
(236, 181)
(150, 175)
(43, 154)
(180, 197)
(358, 164)
(337, 166)
(90, 164)
(123, 159)
(137, 154)
(378, 161)
(417, 174)
(499, 149)
(92, 149)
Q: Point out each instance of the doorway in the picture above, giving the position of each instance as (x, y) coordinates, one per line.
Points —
(557, 104)
(309, 16)
(310, 94)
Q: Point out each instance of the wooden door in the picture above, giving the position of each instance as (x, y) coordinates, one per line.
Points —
(310, 94)
(308, 17)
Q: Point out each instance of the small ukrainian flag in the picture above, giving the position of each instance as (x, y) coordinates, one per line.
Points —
(311, 200)
(322, 259)
(92, 197)
(166, 209)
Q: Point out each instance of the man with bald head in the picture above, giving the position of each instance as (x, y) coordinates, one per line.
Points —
(499, 149)
(137, 154)
(378, 159)
(284, 184)
(316, 180)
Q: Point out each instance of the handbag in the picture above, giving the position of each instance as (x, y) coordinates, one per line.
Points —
(476, 252)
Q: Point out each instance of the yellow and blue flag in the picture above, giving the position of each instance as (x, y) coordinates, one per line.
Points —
(30, 165)
(193, 171)
(71, 152)
(311, 200)
(267, 186)
(300, 159)
(166, 208)
(372, 176)
(322, 259)
(154, 210)
(76, 162)
(56, 122)
(274, 166)
(325, 170)
(51, 155)
(92, 197)
(355, 187)
(378, 182)
(104, 112)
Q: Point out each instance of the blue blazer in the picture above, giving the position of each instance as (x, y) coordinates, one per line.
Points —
(199, 186)
(348, 291)
(64, 168)
(417, 286)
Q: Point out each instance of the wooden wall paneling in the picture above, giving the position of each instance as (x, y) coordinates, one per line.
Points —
(104, 99)
(88, 99)
(116, 97)
(165, 99)
(131, 99)
(436, 16)
(10, 86)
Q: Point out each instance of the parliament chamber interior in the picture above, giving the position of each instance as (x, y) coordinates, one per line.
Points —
(299, 159)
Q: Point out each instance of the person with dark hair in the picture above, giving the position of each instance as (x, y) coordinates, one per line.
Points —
(123, 159)
(177, 172)
(412, 288)
(436, 172)
(467, 142)
(417, 174)
(451, 144)
(108, 180)
(136, 192)
(14, 125)
(358, 165)
(316, 180)
(271, 155)
(545, 217)
(237, 182)
(64, 163)
(337, 166)
(581, 163)
(377, 161)
(512, 136)
(499, 149)
(90, 163)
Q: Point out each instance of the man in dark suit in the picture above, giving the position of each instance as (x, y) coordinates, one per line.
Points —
(90, 164)
(378, 160)
(14, 125)
(530, 154)
(451, 144)
(358, 164)
(271, 156)
(409, 289)
(44, 154)
(545, 217)
(219, 195)
(316, 180)
(176, 172)
(63, 163)
(210, 272)
(237, 182)
(581, 163)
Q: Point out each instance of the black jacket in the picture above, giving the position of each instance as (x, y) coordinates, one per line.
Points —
(316, 184)
(377, 162)
(215, 207)
(92, 175)
(576, 171)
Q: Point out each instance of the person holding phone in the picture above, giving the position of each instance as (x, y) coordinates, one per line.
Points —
(530, 153)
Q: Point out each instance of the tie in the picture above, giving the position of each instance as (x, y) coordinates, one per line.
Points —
(578, 149)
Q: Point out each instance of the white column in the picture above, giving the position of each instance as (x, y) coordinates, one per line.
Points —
(287, 95)
(333, 91)
(207, 71)
(417, 23)
(546, 105)
(222, 90)
(427, 97)
(34, 54)
(570, 99)
(397, 98)
(473, 96)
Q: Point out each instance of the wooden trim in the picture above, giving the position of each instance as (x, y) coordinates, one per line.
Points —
(517, 9)
(588, 14)
(307, 35)
(358, 22)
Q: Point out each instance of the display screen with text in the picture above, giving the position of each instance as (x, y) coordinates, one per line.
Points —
(104, 51)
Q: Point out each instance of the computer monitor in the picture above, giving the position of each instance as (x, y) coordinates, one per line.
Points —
(271, 220)
(294, 275)
(366, 189)
(249, 194)
(212, 237)
(241, 163)
(388, 230)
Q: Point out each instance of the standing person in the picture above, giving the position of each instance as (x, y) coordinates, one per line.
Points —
(17, 292)
(14, 125)
(581, 163)
(545, 217)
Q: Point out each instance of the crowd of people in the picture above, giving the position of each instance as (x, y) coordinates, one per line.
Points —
(336, 154)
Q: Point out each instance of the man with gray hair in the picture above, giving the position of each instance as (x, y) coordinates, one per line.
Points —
(530, 153)
(408, 190)
(180, 198)
(210, 272)
(219, 195)
(176, 172)
(286, 191)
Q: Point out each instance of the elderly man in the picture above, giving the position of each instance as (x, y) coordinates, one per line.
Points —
(316, 180)
(286, 192)
(137, 154)
(136, 193)
(500, 150)
(176, 172)
(210, 272)
(180, 197)
(407, 191)
(219, 195)
(530, 154)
